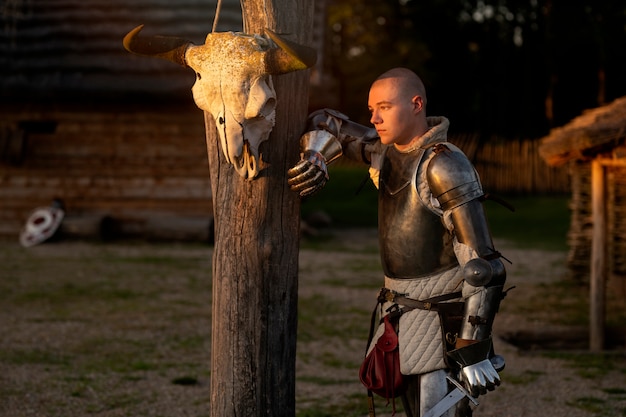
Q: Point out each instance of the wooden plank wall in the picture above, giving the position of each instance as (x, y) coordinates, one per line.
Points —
(130, 165)
(138, 164)
(109, 132)
(60, 50)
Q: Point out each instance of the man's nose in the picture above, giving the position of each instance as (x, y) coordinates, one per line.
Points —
(374, 119)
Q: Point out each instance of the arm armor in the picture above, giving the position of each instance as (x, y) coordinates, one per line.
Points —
(352, 136)
(455, 184)
(329, 136)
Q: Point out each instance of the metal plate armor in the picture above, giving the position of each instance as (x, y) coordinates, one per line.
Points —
(413, 239)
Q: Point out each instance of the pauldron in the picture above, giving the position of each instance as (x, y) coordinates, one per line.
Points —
(452, 178)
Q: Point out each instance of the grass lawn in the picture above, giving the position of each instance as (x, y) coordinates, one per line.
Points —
(539, 221)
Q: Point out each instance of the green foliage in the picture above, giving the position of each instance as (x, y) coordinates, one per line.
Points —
(322, 381)
(525, 378)
(590, 365)
(346, 198)
(564, 301)
(591, 404)
(339, 320)
(489, 66)
(615, 391)
(18, 356)
(539, 222)
(185, 380)
(354, 406)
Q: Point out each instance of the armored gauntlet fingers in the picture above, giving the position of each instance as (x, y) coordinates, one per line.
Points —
(480, 377)
(309, 175)
(319, 148)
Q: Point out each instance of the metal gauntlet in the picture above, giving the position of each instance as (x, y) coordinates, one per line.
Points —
(330, 134)
(318, 149)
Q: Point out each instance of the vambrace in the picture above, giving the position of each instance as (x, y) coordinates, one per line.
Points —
(323, 143)
(473, 352)
(481, 305)
(473, 343)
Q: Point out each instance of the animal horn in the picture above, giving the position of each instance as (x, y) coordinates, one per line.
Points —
(289, 56)
(169, 48)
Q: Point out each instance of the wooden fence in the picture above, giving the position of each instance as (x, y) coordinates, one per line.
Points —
(136, 165)
(513, 166)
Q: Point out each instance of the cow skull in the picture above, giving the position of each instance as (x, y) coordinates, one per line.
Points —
(233, 83)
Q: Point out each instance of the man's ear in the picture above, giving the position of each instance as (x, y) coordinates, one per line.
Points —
(418, 103)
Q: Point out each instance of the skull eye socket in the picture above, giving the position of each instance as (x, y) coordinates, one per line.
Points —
(268, 107)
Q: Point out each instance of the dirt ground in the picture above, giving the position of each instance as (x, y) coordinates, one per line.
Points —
(533, 384)
(124, 330)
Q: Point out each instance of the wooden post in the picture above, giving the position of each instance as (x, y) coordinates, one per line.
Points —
(598, 257)
(255, 260)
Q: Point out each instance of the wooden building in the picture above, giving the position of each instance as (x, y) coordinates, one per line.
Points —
(116, 137)
(594, 147)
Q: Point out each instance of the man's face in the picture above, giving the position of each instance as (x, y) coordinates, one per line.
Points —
(393, 112)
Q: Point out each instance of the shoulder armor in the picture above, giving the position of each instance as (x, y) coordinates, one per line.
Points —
(451, 177)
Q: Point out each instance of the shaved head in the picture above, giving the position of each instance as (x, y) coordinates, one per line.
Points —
(397, 103)
(407, 81)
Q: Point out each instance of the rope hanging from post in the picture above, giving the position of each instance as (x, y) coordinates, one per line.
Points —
(217, 15)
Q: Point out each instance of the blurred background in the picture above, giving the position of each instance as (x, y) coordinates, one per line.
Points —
(119, 140)
(536, 94)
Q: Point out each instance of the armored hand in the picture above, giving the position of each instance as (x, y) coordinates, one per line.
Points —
(480, 377)
(477, 372)
(309, 175)
(318, 149)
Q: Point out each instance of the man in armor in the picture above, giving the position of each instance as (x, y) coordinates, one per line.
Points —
(435, 245)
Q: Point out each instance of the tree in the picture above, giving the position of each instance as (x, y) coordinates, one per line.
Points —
(255, 261)
(507, 67)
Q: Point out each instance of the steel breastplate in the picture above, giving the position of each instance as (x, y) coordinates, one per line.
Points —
(413, 239)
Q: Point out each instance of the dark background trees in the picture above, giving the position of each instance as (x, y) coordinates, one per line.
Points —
(514, 68)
